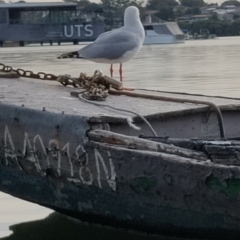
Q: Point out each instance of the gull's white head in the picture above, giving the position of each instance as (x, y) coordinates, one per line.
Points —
(132, 17)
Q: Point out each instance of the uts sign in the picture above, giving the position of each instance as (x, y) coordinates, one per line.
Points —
(78, 30)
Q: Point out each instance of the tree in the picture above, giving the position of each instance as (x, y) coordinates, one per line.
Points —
(115, 4)
(92, 7)
(114, 9)
(152, 4)
(166, 13)
(82, 2)
(214, 17)
(196, 11)
(192, 3)
(164, 8)
(231, 2)
(189, 11)
(236, 17)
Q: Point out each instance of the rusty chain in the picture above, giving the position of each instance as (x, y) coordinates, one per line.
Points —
(95, 87)
(28, 74)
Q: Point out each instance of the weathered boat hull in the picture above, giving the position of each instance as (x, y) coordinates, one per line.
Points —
(86, 162)
(108, 208)
(46, 159)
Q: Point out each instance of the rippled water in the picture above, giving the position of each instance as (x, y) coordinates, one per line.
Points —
(200, 66)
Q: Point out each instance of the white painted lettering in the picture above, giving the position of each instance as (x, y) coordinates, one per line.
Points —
(99, 159)
(69, 159)
(84, 171)
(66, 33)
(79, 29)
(27, 149)
(39, 139)
(35, 151)
(9, 153)
(80, 147)
(88, 28)
(112, 180)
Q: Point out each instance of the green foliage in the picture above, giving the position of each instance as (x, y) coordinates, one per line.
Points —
(214, 17)
(84, 2)
(192, 11)
(231, 2)
(189, 11)
(164, 8)
(114, 9)
(153, 4)
(196, 11)
(114, 4)
(236, 17)
(214, 26)
(165, 13)
(193, 3)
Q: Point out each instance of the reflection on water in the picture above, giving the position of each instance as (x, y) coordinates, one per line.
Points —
(202, 66)
(57, 226)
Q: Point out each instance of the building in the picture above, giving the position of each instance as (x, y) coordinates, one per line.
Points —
(46, 22)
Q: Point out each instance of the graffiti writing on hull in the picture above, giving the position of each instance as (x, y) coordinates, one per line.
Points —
(74, 164)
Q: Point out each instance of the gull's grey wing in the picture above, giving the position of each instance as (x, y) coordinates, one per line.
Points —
(111, 46)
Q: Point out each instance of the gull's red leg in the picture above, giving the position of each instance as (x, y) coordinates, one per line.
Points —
(111, 70)
(121, 79)
(120, 72)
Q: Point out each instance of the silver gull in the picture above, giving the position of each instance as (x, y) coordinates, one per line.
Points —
(115, 46)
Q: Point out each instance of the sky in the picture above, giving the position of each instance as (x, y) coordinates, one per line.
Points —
(97, 1)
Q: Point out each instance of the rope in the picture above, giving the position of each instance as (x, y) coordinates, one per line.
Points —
(122, 110)
(181, 100)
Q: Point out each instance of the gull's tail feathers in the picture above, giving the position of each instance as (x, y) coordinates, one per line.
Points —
(70, 55)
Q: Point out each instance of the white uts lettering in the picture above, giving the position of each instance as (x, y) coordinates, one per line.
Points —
(88, 29)
(70, 30)
(78, 29)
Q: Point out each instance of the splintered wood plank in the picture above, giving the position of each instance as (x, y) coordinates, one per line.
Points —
(143, 144)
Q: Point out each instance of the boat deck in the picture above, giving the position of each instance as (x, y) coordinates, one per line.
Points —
(53, 97)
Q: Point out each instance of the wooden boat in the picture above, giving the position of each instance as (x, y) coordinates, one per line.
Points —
(89, 162)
